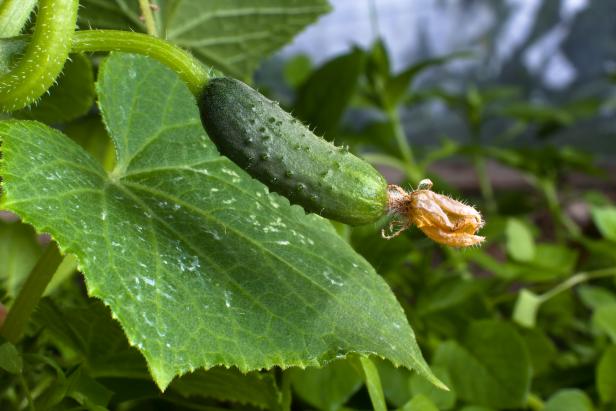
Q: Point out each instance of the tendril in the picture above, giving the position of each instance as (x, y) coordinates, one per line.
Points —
(44, 57)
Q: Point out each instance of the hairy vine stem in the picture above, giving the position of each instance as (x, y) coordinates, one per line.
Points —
(55, 37)
(44, 57)
(13, 16)
(191, 70)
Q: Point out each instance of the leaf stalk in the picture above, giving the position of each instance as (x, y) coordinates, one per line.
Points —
(30, 294)
(148, 16)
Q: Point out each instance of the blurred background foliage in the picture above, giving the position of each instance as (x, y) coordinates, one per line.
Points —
(509, 105)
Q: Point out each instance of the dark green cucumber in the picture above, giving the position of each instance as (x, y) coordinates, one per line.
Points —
(285, 155)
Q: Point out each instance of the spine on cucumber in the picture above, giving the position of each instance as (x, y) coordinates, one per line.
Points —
(285, 155)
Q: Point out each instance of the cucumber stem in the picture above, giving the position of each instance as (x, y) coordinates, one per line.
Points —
(191, 70)
(148, 16)
(413, 172)
(30, 294)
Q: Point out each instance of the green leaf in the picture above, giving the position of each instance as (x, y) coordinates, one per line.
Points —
(551, 261)
(326, 388)
(231, 35)
(234, 35)
(87, 391)
(605, 220)
(116, 14)
(254, 388)
(520, 241)
(526, 308)
(316, 104)
(604, 318)
(541, 349)
(10, 359)
(297, 69)
(420, 402)
(397, 86)
(89, 331)
(396, 385)
(492, 368)
(569, 400)
(447, 294)
(606, 375)
(19, 252)
(198, 262)
(594, 297)
(71, 97)
(444, 400)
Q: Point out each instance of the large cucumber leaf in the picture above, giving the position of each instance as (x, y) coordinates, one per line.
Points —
(197, 261)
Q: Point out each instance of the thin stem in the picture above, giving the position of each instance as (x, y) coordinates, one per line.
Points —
(485, 185)
(551, 195)
(373, 384)
(479, 163)
(191, 70)
(534, 402)
(30, 294)
(412, 170)
(148, 16)
(24, 386)
(577, 279)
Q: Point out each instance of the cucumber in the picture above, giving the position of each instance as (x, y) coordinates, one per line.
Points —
(285, 155)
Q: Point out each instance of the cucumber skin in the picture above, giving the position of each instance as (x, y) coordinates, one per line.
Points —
(285, 155)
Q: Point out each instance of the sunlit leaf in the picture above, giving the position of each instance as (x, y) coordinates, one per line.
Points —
(605, 220)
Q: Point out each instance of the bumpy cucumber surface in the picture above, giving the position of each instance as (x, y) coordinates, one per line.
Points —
(285, 155)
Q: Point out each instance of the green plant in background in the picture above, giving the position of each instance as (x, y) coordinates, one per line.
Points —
(203, 268)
